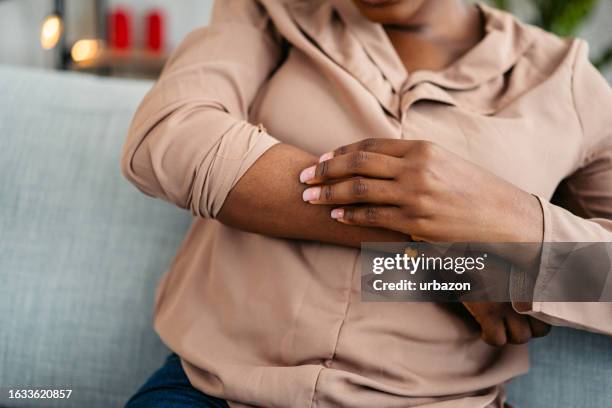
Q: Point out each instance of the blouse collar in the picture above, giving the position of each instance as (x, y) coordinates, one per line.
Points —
(357, 45)
(505, 41)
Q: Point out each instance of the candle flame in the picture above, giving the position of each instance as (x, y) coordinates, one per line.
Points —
(85, 50)
(51, 32)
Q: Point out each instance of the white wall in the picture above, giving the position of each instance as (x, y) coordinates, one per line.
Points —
(183, 15)
(19, 33)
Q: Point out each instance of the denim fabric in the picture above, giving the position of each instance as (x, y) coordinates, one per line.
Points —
(169, 387)
(569, 369)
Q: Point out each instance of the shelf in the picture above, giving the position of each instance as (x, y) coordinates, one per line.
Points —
(131, 62)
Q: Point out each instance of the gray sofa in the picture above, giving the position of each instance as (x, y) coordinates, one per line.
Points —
(81, 252)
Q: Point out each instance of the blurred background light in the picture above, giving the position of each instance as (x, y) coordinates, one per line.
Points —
(51, 31)
(86, 50)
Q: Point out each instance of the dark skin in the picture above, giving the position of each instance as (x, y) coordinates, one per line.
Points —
(402, 183)
(423, 190)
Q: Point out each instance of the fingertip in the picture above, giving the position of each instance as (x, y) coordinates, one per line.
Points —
(538, 327)
(495, 341)
(326, 156)
(311, 194)
(337, 214)
(307, 175)
(494, 334)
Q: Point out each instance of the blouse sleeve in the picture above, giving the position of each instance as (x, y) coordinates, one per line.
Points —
(588, 194)
(190, 142)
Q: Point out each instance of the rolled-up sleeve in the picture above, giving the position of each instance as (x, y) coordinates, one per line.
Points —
(190, 140)
(582, 212)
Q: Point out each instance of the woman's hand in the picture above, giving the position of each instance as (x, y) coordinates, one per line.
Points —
(421, 189)
(501, 325)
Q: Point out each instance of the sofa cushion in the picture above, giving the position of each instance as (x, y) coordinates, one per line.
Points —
(81, 250)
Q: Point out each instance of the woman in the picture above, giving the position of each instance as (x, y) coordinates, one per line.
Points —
(460, 121)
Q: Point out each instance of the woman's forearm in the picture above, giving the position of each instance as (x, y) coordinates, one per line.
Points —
(268, 200)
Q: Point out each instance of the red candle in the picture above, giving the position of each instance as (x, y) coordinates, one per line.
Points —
(155, 30)
(120, 29)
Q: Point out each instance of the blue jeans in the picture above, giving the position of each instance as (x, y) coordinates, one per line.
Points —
(170, 388)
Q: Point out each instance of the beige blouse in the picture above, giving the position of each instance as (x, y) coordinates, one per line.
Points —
(269, 322)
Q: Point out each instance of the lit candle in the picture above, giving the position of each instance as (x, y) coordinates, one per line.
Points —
(86, 50)
(51, 32)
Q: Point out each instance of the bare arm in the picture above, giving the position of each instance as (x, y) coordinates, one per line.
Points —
(268, 200)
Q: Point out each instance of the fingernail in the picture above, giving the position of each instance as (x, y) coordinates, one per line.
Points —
(326, 156)
(307, 174)
(311, 194)
(337, 213)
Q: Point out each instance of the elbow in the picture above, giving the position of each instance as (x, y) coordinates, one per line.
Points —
(126, 163)
(134, 165)
(128, 154)
(170, 157)
(164, 167)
